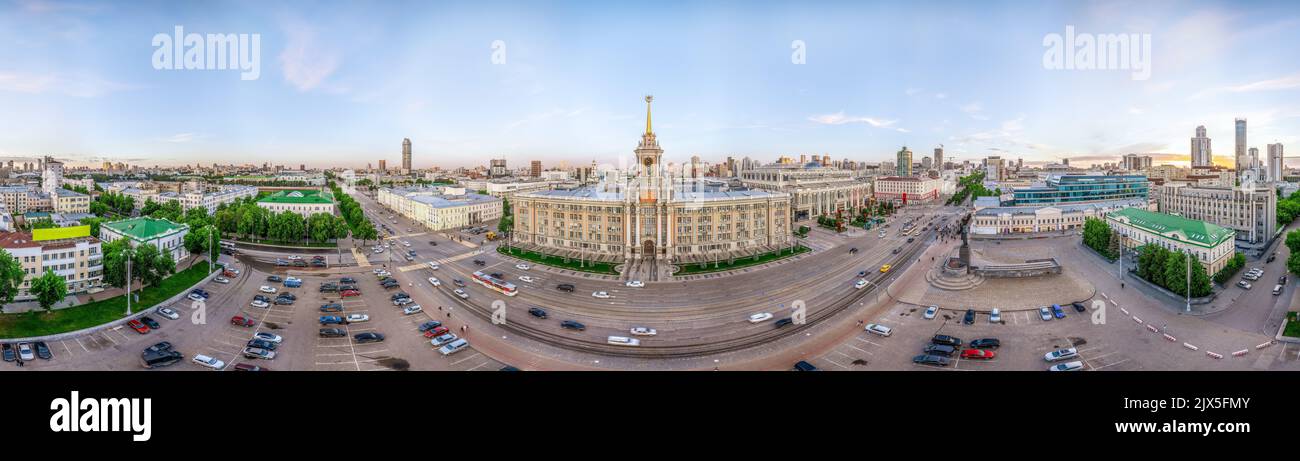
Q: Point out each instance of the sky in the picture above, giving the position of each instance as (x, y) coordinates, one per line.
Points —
(342, 83)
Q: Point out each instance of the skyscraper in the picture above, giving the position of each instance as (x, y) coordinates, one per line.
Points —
(1276, 162)
(904, 164)
(1253, 155)
(1201, 153)
(406, 155)
(535, 168)
(383, 166)
(1239, 155)
(938, 157)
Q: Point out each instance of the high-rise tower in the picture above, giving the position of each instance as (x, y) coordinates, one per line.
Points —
(1202, 155)
(406, 156)
(1240, 162)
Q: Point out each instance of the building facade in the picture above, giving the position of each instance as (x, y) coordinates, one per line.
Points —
(440, 208)
(904, 162)
(1251, 213)
(164, 234)
(79, 260)
(651, 217)
(1211, 245)
(1202, 154)
(1051, 218)
(815, 189)
(303, 202)
(906, 189)
(1067, 189)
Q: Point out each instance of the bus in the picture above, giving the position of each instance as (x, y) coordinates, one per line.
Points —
(495, 284)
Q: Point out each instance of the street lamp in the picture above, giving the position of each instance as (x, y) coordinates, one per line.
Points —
(129, 253)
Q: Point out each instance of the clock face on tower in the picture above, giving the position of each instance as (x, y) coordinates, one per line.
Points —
(648, 162)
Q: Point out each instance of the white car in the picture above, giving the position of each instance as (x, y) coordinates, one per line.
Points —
(930, 312)
(861, 283)
(995, 316)
(25, 352)
(376, 271)
(414, 309)
(209, 362)
(600, 294)
(433, 266)
(195, 297)
(435, 282)
(878, 329)
(1045, 314)
(258, 303)
(523, 267)
(402, 301)
(169, 313)
(221, 280)
(525, 278)
(623, 341)
(268, 337)
(292, 279)
(644, 331)
(355, 318)
(462, 293)
(635, 283)
(258, 353)
(379, 250)
(760, 317)
(1061, 354)
(266, 289)
(1067, 366)
(406, 244)
(444, 339)
(454, 347)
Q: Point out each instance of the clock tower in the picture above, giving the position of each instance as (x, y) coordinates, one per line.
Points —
(648, 152)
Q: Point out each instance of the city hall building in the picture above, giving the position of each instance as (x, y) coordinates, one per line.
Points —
(651, 217)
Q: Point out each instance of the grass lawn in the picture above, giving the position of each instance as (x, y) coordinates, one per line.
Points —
(764, 258)
(555, 261)
(1292, 326)
(99, 312)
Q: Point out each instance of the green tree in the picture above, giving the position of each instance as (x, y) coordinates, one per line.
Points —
(11, 276)
(49, 289)
(320, 227)
(1293, 263)
(94, 224)
(1176, 273)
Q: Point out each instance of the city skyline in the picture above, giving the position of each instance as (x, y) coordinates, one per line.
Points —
(340, 88)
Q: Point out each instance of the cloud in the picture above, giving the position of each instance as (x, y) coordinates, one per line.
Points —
(1288, 82)
(940, 96)
(305, 62)
(974, 110)
(181, 138)
(75, 85)
(839, 118)
(912, 91)
(552, 114)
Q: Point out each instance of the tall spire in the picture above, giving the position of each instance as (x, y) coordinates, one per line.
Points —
(648, 100)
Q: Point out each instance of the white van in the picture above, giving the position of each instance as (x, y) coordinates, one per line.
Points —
(433, 265)
(454, 347)
(624, 341)
(1277, 290)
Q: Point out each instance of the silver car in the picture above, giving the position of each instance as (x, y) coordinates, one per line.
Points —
(258, 353)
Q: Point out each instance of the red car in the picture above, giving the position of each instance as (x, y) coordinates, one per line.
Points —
(350, 293)
(436, 332)
(978, 354)
(137, 326)
(239, 320)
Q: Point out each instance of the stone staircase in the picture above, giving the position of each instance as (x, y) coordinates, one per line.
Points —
(940, 279)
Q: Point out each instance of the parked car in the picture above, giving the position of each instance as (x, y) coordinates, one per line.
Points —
(347, 280)
(986, 343)
(878, 329)
(995, 316)
(9, 355)
(169, 313)
(350, 293)
(426, 326)
(331, 320)
(1045, 313)
(1079, 307)
(267, 289)
(946, 340)
(1057, 311)
(249, 367)
(269, 337)
(258, 353)
(969, 318)
(978, 354)
(454, 347)
(209, 362)
(221, 280)
(444, 339)
(931, 312)
(357, 318)
(331, 307)
(415, 309)
(138, 326)
(262, 344)
(1061, 354)
(1067, 366)
(25, 352)
(932, 360)
(437, 331)
(261, 304)
(332, 333)
(939, 349)
(523, 267)
(368, 337)
(804, 366)
(274, 278)
(1243, 284)
(241, 321)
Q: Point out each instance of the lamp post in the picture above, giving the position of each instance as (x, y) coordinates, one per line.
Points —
(129, 253)
(1189, 278)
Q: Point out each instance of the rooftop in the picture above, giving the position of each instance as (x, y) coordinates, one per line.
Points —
(145, 228)
(1175, 227)
(299, 197)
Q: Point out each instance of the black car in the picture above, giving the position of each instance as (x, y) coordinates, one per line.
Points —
(331, 307)
(368, 337)
(911, 239)
(332, 333)
(162, 346)
(151, 358)
(862, 273)
(1271, 257)
(566, 287)
(946, 340)
(497, 275)
(151, 323)
(480, 262)
(283, 302)
(9, 352)
(288, 295)
(1281, 280)
(433, 243)
(262, 343)
(399, 295)
(299, 263)
(896, 250)
(347, 280)
(804, 366)
(783, 322)
(985, 343)
(933, 360)
(940, 349)
(261, 298)
(537, 312)
(1079, 307)
(347, 287)
(43, 351)
(570, 324)
(318, 264)
(274, 278)
(328, 287)
(201, 292)
(969, 319)
(458, 282)
(426, 326)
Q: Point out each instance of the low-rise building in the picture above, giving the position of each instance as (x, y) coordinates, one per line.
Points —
(1250, 212)
(209, 200)
(1066, 189)
(815, 189)
(438, 208)
(164, 234)
(1029, 219)
(68, 201)
(72, 253)
(907, 189)
(303, 202)
(1210, 244)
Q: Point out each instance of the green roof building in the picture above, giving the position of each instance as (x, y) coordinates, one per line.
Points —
(1211, 244)
(162, 233)
(304, 202)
